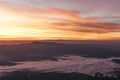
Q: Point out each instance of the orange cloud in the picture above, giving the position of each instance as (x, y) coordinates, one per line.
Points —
(93, 27)
(52, 23)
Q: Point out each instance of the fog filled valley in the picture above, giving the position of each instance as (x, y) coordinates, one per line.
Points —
(57, 58)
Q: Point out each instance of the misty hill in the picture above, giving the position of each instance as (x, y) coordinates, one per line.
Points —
(7, 63)
(49, 50)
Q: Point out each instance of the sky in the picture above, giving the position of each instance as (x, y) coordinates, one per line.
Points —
(59, 19)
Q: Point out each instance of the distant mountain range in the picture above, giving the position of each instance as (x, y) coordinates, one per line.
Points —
(49, 50)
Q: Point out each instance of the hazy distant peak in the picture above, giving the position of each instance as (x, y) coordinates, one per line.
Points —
(39, 42)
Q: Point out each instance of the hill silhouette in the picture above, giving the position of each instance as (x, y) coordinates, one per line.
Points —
(28, 75)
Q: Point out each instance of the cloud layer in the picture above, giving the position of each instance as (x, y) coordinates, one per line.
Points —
(66, 64)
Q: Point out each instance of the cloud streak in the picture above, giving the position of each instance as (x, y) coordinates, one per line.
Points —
(90, 27)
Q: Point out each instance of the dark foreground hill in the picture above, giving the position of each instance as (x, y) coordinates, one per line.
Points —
(49, 50)
(28, 75)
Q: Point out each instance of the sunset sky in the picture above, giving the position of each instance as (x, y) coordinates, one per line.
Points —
(60, 19)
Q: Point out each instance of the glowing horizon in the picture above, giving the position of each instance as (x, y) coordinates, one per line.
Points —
(54, 20)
